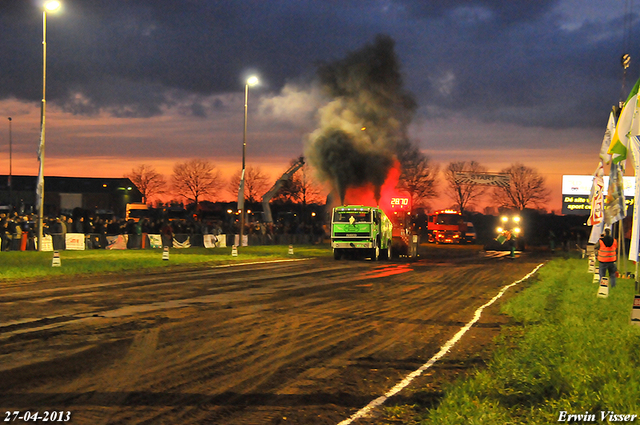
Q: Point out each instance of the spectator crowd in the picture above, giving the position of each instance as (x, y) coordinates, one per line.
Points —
(20, 232)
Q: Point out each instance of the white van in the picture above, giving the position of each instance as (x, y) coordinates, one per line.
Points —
(470, 234)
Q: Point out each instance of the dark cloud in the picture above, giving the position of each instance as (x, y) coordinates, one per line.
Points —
(503, 12)
(491, 59)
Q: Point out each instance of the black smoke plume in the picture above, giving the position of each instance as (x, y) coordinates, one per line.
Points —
(364, 121)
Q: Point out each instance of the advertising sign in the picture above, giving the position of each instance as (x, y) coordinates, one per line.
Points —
(576, 190)
(74, 241)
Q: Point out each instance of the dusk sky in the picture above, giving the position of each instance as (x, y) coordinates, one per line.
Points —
(157, 82)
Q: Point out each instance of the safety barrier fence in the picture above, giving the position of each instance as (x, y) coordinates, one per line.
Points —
(81, 241)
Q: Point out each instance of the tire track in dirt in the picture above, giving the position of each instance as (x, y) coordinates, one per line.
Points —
(302, 342)
(114, 383)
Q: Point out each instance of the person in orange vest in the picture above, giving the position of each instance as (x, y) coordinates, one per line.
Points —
(607, 256)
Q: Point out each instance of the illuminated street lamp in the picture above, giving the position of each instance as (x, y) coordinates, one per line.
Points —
(251, 81)
(48, 6)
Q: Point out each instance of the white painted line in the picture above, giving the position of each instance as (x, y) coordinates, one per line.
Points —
(443, 350)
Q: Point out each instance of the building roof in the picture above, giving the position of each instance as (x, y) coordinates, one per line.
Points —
(68, 184)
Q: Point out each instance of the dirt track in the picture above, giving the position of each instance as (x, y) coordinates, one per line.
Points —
(297, 342)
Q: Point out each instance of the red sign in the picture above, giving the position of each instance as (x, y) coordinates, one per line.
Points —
(399, 202)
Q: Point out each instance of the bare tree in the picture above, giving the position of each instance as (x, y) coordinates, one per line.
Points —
(196, 178)
(311, 190)
(526, 189)
(418, 176)
(300, 187)
(464, 195)
(148, 181)
(256, 183)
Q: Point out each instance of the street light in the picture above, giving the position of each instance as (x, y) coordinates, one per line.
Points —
(251, 81)
(48, 6)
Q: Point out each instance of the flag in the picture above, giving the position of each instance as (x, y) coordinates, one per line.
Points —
(606, 141)
(241, 194)
(40, 183)
(633, 248)
(615, 207)
(597, 197)
(39, 189)
(596, 219)
(627, 127)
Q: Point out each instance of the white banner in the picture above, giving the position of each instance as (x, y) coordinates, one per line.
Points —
(213, 241)
(184, 244)
(117, 242)
(581, 185)
(47, 243)
(74, 242)
(245, 240)
(155, 241)
(634, 144)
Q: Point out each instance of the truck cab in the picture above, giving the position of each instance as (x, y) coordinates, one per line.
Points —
(358, 230)
(446, 226)
(136, 211)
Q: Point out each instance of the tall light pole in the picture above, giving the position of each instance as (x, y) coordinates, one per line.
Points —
(251, 81)
(10, 167)
(48, 6)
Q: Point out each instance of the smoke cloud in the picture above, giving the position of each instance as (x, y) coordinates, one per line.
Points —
(366, 118)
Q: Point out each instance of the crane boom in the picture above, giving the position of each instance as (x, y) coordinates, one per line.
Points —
(266, 198)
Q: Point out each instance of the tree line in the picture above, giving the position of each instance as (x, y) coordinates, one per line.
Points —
(527, 188)
(196, 180)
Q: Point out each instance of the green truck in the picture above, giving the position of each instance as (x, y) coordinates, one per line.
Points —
(360, 231)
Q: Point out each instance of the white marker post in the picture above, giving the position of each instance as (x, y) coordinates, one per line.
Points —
(603, 291)
(635, 311)
(56, 259)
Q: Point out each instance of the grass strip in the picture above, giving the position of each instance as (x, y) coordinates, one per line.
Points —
(568, 351)
(16, 266)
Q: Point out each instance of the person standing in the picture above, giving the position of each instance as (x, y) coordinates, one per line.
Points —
(607, 256)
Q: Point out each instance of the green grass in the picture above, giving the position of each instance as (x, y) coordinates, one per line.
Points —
(16, 266)
(566, 351)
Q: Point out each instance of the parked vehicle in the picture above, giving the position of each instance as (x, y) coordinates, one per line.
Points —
(470, 233)
(446, 226)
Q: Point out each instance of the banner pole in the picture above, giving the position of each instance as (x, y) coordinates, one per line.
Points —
(621, 245)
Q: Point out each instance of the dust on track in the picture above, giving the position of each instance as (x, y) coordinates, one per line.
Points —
(306, 342)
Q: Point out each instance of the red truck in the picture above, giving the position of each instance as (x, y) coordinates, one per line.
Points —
(446, 226)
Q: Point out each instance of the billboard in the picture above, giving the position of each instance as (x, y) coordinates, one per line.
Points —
(576, 190)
